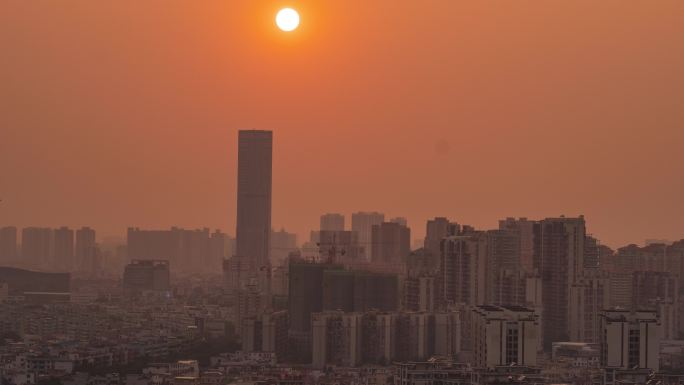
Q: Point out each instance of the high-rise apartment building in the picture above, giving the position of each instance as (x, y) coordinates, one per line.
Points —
(559, 257)
(589, 296)
(8, 243)
(305, 297)
(649, 287)
(463, 269)
(659, 291)
(630, 340)
(36, 246)
(420, 293)
(376, 334)
(505, 279)
(362, 223)
(336, 339)
(621, 293)
(266, 332)
(390, 243)
(525, 230)
(63, 255)
(375, 337)
(419, 336)
(86, 252)
(306, 292)
(332, 222)
(436, 230)
(255, 151)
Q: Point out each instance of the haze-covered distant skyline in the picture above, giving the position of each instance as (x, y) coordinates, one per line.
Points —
(117, 114)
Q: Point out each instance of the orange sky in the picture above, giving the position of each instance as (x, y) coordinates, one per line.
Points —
(118, 113)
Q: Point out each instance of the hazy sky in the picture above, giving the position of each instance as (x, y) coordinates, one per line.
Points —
(119, 113)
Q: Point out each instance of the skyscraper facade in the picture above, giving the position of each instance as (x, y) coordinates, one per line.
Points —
(559, 257)
(362, 223)
(463, 269)
(255, 151)
(525, 230)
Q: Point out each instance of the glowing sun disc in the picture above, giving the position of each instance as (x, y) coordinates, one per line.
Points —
(287, 19)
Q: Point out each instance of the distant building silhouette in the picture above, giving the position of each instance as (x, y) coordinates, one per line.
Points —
(390, 243)
(189, 251)
(86, 252)
(254, 195)
(146, 275)
(219, 248)
(332, 222)
(362, 223)
(282, 244)
(36, 246)
(436, 230)
(8, 244)
(338, 246)
(63, 255)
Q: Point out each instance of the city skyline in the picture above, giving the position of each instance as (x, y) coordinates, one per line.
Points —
(466, 110)
(341, 192)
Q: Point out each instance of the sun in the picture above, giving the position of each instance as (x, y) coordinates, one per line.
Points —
(287, 19)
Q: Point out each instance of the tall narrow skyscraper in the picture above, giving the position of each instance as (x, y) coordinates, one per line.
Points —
(255, 150)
